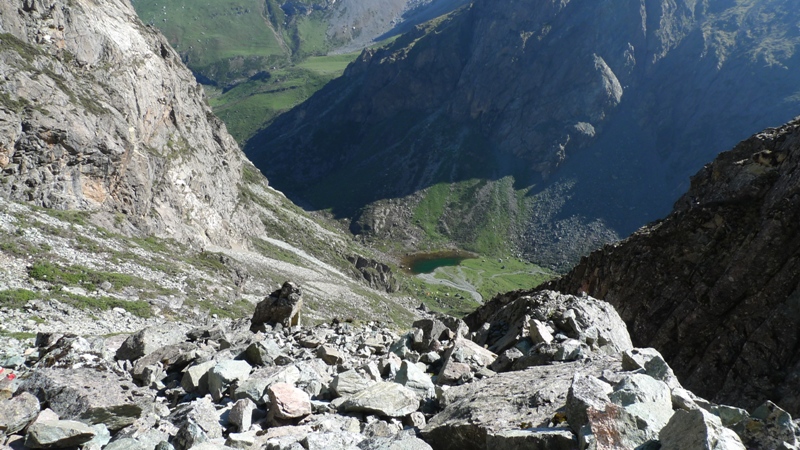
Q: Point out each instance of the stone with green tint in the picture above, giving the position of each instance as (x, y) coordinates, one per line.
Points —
(58, 434)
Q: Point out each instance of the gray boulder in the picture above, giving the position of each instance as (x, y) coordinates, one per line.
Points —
(463, 352)
(536, 438)
(263, 353)
(768, 427)
(171, 357)
(402, 441)
(90, 396)
(195, 378)
(505, 402)
(330, 354)
(385, 399)
(646, 399)
(17, 413)
(147, 341)
(58, 434)
(282, 306)
(241, 415)
(585, 392)
(348, 383)
(698, 429)
(225, 373)
(415, 379)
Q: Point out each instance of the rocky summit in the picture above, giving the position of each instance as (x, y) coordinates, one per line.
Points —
(714, 286)
(546, 371)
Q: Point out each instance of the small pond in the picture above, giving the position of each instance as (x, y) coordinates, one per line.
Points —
(428, 262)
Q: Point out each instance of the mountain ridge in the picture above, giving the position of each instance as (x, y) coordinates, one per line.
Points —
(624, 102)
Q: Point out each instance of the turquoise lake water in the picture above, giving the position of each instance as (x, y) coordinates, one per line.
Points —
(428, 262)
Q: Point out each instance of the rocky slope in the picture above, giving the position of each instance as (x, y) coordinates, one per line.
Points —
(714, 286)
(568, 378)
(524, 118)
(120, 186)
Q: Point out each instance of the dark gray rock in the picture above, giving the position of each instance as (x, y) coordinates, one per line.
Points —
(88, 395)
(282, 306)
(263, 353)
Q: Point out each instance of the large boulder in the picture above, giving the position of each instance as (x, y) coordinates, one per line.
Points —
(461, 359)
(584, 325)
(224, 374)
(288, 402)
(88, 395)
(17, 413)
(282, 306)
(58, 434)
(698, 429)
(385, 399)
(507, 402)
(147, 341)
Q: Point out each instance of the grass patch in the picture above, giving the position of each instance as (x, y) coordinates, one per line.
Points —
(138, 308)
(18, 335)
(81, 276)
(69, 216)
(16, 298)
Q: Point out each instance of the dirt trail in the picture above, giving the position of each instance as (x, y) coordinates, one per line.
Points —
(459, 281)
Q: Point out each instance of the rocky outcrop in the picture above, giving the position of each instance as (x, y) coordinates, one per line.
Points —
(714, 286)
(98, 113)
(576, 100)
(380, 393)
(377, 274)
(281, 307)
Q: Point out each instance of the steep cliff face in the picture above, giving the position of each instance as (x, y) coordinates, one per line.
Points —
(98, 113)
(716, 285)
(581, 103)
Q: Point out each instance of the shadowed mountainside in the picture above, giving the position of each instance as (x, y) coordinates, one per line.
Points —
(595, 113)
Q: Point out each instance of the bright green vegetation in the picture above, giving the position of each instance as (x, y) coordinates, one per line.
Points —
(19, 335)
(487, 276)
(216, 37)
(255, 60)
(253, 103)
(16, 298)
(496, 276)
(494, 209)
(138, 308)
(81, 276)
